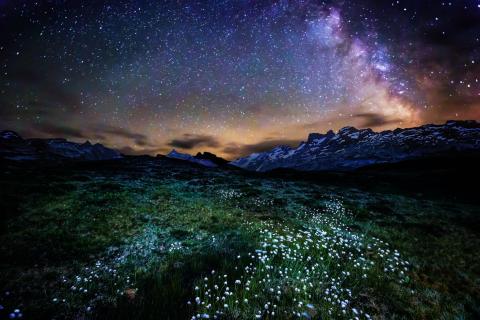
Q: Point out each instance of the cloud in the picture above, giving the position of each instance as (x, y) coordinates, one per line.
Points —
(96, 133)
(190, 141)
(240, 150)
(315, 125)
(143, 151)
(372, 120)
(138, 138)
(61, 131)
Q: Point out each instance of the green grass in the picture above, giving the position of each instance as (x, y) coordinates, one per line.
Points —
(141, 242)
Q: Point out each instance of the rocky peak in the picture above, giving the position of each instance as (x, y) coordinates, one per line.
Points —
(211, 157)
(345, 131)
(282, 148)
(10, 135)
(317, 136)
(178, 155)
(173, 152)
(187, 157)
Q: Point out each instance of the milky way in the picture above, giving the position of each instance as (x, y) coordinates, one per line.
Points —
(233, 77)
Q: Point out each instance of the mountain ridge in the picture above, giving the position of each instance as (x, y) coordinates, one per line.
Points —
(351, 148)
(206, 159)
(14, 147)
(174, 154)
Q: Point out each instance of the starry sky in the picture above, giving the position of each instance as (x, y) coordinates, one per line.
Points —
(233, 76)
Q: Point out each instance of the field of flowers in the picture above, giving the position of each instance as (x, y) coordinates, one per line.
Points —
(157, 242)
(317, 268)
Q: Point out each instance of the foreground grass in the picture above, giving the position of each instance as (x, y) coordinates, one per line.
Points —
(155, 242)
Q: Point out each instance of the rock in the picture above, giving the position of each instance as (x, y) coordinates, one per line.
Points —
(131, 293)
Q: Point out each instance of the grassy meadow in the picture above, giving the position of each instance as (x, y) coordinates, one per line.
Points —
(158, 239)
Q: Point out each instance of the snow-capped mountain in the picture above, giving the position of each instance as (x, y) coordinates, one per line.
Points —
(187, 157)
(14, 147)
(255, 161)
(351, 148)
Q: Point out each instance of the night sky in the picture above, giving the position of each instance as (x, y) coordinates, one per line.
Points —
(233, 77)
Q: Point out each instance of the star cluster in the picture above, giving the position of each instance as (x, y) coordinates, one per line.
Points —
(233, 77)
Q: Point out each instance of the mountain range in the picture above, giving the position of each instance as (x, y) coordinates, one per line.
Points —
(14, 147)
(206, 159)
(346, 150)
(351, 148)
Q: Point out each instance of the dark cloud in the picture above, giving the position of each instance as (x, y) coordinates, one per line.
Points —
(95, 133)
(138, 138)
(144, 151)
(59, 131)
(372, 120)
(239, 150)
(190, 141)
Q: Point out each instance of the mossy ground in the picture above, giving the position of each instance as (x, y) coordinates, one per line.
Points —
(133, 239)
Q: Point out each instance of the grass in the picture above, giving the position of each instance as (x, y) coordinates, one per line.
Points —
(153, 239)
